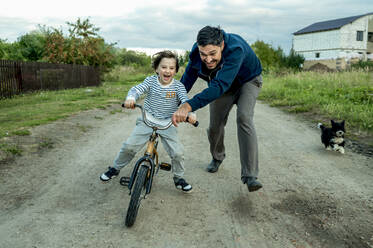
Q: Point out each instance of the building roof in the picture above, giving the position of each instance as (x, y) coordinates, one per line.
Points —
(329, 25)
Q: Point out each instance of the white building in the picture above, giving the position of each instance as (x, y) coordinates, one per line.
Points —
(336, 43)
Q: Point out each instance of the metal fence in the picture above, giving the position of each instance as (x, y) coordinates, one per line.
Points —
(17, 77)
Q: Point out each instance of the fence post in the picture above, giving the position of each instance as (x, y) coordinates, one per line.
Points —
(19, 77)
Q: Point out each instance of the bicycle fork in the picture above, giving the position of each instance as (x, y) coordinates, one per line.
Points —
(147, 160)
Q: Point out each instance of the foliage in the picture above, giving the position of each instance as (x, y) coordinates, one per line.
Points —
(294, 61)
(365, 65)
(32, 45)
(275, 59)
(10, 51)
(82, 46)
(133, 58)
(184, 59)
(269, 57)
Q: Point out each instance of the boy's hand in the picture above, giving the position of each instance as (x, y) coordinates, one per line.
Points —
(130, 103)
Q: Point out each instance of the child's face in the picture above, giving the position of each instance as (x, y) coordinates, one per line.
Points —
(166, 70)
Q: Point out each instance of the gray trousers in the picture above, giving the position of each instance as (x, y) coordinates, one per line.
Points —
(245, 99)
(138, 138)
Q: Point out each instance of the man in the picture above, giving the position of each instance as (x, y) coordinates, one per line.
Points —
(233, 73)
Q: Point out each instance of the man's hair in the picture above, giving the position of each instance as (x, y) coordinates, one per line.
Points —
(210, 36)
(164, 54)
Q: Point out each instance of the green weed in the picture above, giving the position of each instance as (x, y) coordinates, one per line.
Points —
(22, 132)
(338, 95)
(12, 149)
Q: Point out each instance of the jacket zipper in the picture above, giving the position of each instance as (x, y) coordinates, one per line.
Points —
(216, 69)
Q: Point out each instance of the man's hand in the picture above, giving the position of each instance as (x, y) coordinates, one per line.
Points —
(129, 104)
(192, 118)
(181, 114)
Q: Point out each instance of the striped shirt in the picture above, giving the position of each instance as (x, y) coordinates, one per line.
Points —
(161, 100)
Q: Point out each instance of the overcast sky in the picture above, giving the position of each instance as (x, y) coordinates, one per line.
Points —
(174, 24)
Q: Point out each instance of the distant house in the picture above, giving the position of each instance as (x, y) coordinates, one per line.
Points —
(336, 43)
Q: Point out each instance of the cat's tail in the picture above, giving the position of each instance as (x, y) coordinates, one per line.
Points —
(321, 126)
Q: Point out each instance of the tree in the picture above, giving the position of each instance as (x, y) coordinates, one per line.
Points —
(32, 45)
(10, 51)
(82, 46)
(56, 47)
(83, 29)
(294, 60)
(269, 57)
(133, 58)
(184, 58)
(275, 59)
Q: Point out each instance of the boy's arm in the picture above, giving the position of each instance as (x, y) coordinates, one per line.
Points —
(136, 91)
(182, 94)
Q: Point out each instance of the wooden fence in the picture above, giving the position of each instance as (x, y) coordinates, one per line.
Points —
(17, 77)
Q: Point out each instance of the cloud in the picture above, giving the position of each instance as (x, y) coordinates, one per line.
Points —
(174, 25)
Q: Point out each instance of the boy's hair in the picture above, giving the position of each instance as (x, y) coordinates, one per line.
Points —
(210, 36)
(164, 54)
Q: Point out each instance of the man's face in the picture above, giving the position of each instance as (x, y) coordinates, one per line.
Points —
(211, 55)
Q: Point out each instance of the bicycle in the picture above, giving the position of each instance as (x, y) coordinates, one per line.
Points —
(142, 175)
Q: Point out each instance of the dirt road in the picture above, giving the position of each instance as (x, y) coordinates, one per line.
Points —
(311, 197)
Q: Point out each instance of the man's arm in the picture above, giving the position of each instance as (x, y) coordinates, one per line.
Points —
(189, 77)
(190, 74)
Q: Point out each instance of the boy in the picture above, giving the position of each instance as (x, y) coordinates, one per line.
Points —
(164, 93)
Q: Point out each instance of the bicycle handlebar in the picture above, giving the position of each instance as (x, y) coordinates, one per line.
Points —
(167, 126)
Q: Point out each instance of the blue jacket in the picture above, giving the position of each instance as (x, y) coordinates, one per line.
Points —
(238, 65)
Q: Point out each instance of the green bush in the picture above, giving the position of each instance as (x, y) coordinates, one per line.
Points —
(365, 65)
(133, 58)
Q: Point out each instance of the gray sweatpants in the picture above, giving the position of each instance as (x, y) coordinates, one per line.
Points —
(245, 99)
(138, 138)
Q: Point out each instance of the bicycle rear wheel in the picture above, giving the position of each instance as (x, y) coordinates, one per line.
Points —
(134, 204)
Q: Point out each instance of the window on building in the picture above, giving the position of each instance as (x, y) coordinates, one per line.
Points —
(317, 55)
(370, 36)
(359, 35)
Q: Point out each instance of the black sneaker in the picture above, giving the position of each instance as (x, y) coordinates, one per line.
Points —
(180, 183)
(111, 173)
(253, 184)
(214, 165)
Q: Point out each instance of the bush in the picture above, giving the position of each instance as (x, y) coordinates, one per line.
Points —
(133, 58)
(293, 61)
(365, 65)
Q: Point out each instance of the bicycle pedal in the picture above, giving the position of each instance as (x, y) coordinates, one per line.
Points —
(165, 166)
(124, 181)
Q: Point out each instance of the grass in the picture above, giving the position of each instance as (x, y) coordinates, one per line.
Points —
(341, 95)
(127, 74)
(10, 148)
(338, 95)
(21, 112)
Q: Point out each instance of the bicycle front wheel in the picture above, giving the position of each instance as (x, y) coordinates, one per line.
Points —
(134, 204)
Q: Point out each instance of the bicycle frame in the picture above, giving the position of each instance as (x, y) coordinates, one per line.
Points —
(149, 155)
